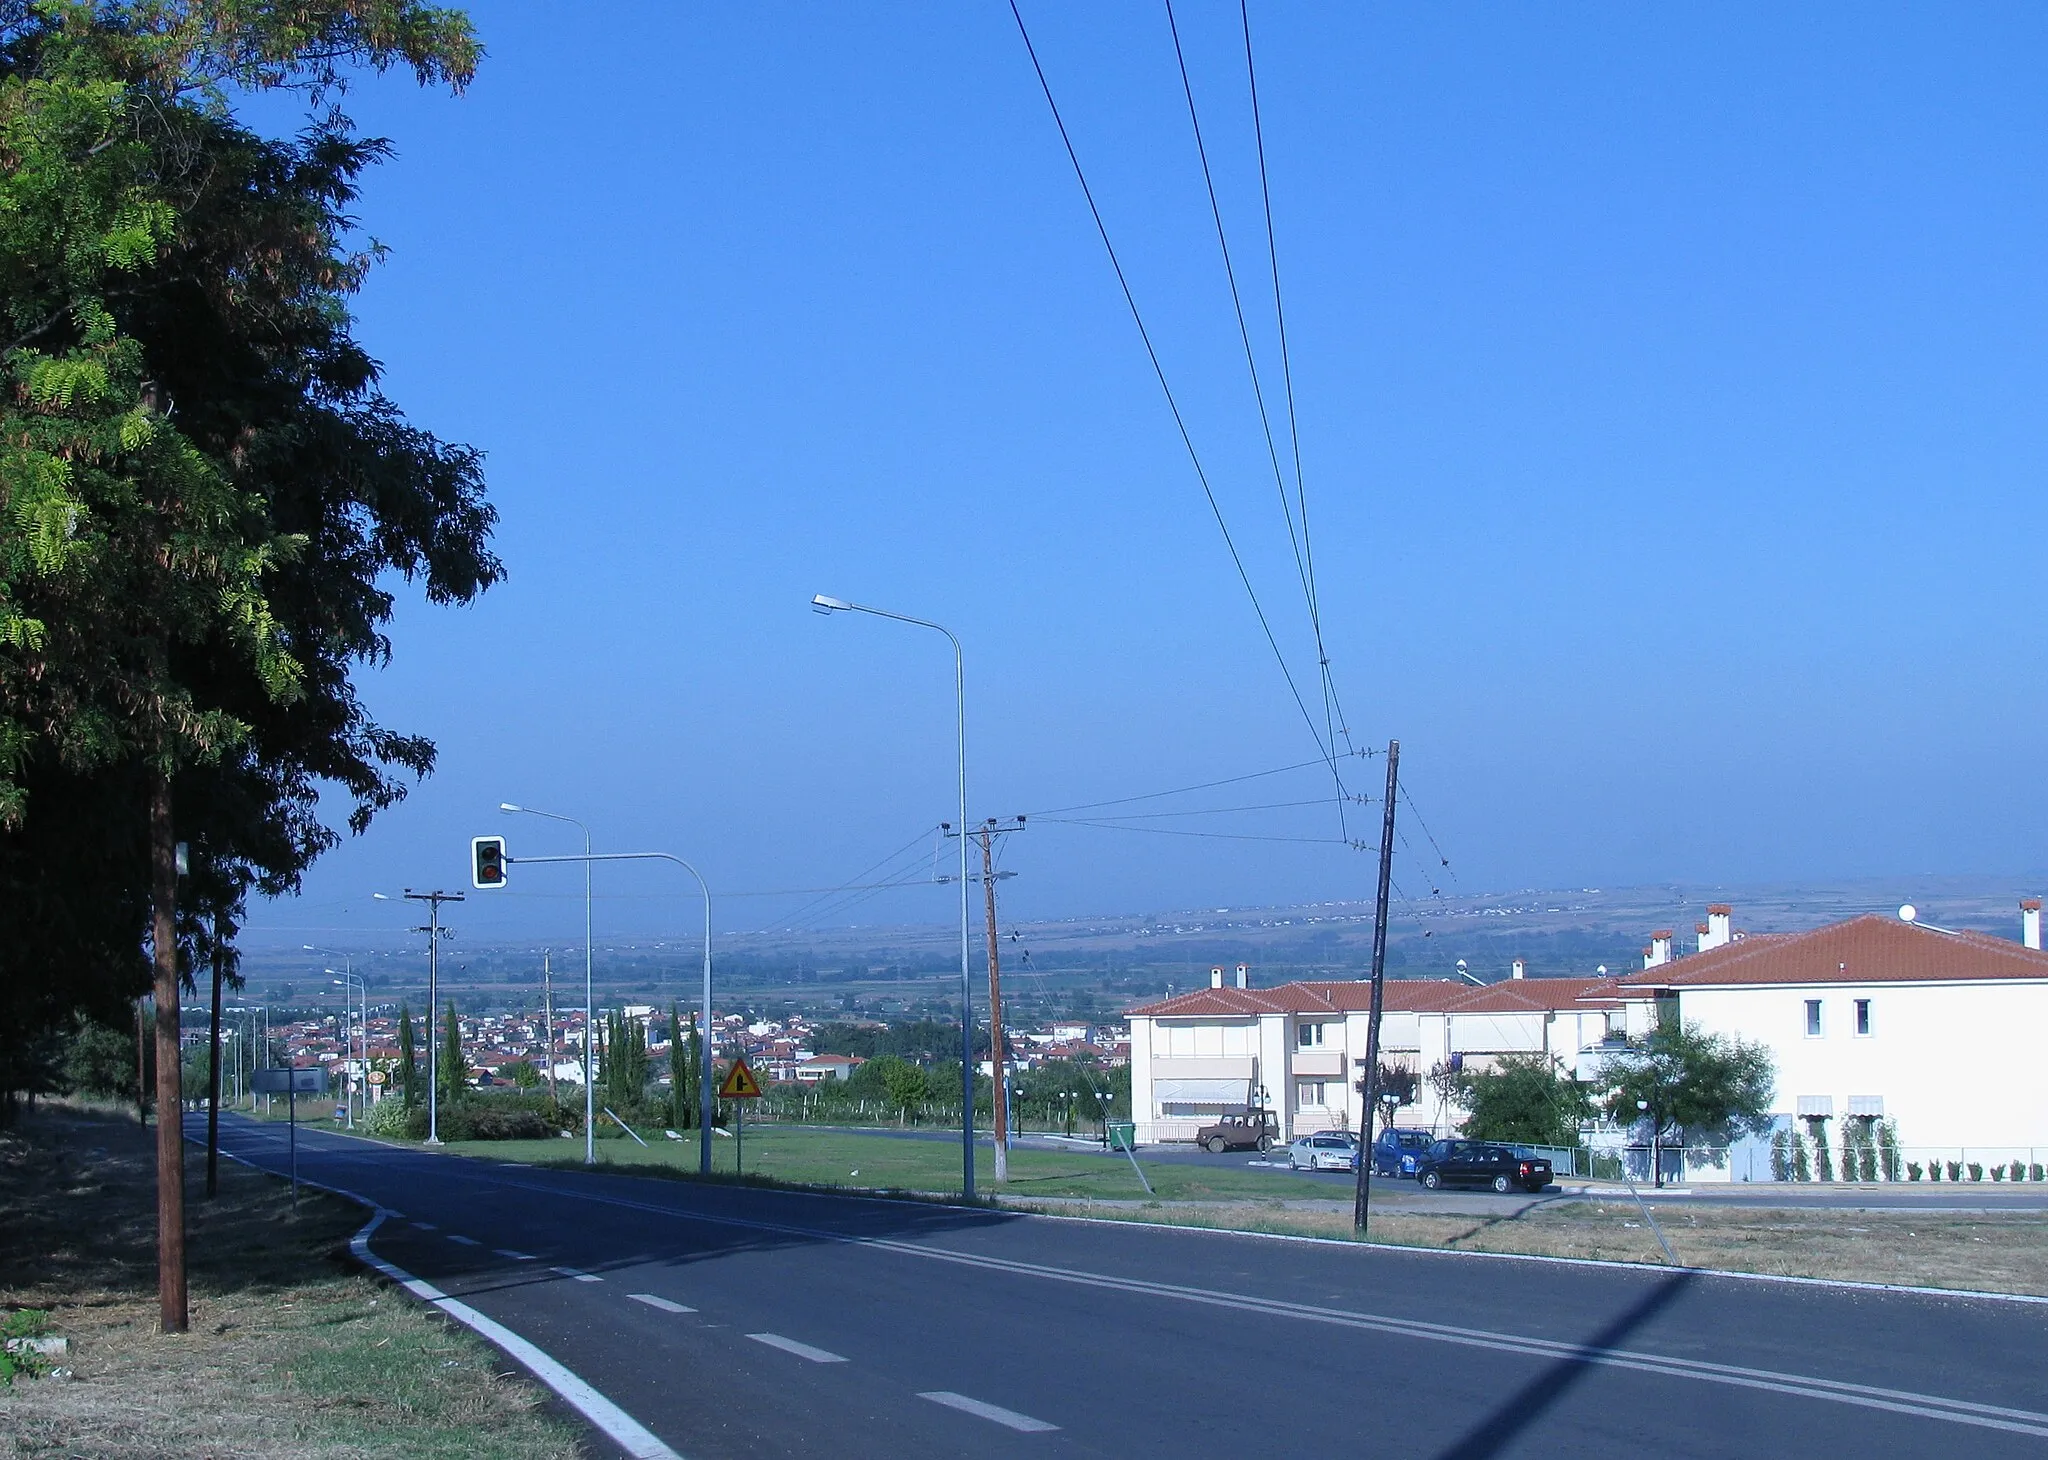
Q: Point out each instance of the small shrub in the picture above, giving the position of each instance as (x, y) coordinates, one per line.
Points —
(22, 1323)
(1976, 1171)
(1781, 1156)
(1912, 1170)
(1955, 1171)
(390, 1119)
(2035, 1173)
(1800, 1170)
(1998, 1172)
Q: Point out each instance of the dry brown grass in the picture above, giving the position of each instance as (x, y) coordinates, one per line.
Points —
(291, 1352)
(2000, 1254)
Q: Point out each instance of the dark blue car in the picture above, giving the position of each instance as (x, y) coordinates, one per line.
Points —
(1396, 1151)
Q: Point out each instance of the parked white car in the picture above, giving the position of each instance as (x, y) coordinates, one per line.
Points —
(1330, 1150)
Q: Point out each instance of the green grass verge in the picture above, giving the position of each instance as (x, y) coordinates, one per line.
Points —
(808, 1157)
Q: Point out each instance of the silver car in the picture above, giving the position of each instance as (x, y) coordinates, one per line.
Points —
(1330, 1150)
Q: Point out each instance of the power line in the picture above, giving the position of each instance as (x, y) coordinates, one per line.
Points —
(1229, 836)
(1159, 371)
(1251, 362)
(1183, 790)
(1444, 860)
(1333, 708)
(1218, 810)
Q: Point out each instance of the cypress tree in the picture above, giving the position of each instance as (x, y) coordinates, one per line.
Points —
(453, 1071)
(408, 1058)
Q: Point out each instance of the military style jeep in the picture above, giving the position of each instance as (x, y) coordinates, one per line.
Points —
(1238, 1130)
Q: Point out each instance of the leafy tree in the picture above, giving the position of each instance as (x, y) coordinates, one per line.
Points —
(523, 1074)
(204, 496)
(408, 1058)
(1525, 1098)
(1700, 1087)
(685, 1061)
(1397, 1086)
(99, 1060)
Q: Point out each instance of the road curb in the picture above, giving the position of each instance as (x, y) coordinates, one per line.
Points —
(570, 1387)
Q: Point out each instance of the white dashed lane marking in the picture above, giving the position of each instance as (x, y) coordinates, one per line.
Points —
(465, 1241)
(982, 1409)
(515, 1256)
(652, 1301)
(801, 1350)
(581, 1277)
(426, 1226)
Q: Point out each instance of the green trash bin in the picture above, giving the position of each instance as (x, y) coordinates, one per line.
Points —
(1123, 1135)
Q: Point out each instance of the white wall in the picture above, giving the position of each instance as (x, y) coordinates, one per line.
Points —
(1958, 1064)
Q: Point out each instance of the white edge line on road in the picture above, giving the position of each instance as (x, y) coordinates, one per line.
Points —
(620, 1427)
(801, 1350)
(624, 1431)
(655, 1300)
(982, 1409)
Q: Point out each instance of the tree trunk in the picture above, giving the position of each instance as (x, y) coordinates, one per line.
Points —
(170, 1123)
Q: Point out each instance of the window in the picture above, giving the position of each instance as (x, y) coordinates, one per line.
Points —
(1309, 1094)
(1309, 1036)
(1863, 1018)
(1813, 1018)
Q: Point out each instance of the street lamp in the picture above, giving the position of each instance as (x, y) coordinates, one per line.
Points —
(589, 999)
(347, 981)
(348, 970)
(704, 1110)
(820, 603)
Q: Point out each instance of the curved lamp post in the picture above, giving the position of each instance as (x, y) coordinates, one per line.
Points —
(823, 604)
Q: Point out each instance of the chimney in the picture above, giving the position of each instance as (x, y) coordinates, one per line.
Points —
(1660, 949)
(2030, 922)
(1519, 968)
(1244, 975)
(1720, 925)
(1215, 978)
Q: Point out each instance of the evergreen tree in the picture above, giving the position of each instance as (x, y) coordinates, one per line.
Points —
(408, 1058)
(454, 1073)
(678, 1098)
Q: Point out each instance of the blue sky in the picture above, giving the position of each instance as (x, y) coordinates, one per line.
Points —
(1670, 386)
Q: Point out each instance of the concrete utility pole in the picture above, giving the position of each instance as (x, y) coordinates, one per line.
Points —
(170, 1101)
(1362, 1203)
(220, 955)
(999, 1064)
(433, 900)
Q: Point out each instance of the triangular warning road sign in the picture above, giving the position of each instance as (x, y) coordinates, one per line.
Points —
(739, 1083)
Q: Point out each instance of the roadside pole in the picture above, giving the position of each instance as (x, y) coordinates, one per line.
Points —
(433, 900)
(213, 1072)
(1361, 1209)
(164, 856)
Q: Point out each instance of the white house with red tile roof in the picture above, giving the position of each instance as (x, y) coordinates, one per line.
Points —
(1299, 1048)
(828, 1067)
(1877, 1018)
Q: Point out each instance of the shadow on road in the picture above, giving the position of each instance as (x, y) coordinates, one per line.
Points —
(1528, 1405)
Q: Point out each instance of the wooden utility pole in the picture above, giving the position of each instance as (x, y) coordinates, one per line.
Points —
(213, 1070)
(1361, 1208)
(170, 1133)
(997, 1063)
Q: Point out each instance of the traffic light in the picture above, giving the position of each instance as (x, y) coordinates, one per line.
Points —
(487, 861)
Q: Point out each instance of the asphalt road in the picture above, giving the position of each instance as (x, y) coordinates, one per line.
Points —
(749, 1323)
